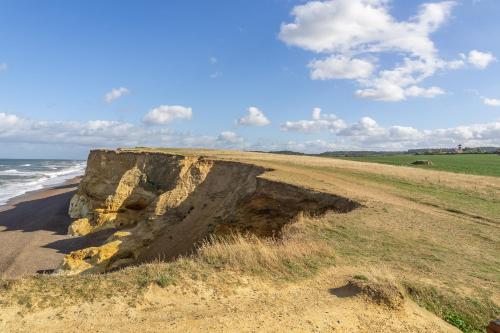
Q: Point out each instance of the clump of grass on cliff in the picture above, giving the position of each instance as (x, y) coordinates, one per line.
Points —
(294, 256)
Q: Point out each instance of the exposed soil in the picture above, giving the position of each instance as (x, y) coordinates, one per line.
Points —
(246, 305)
(165, 205)
(234, 199)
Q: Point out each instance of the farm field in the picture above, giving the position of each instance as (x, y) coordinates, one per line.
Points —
(474, 164)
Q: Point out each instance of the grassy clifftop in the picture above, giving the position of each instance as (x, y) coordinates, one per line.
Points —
(434, 235)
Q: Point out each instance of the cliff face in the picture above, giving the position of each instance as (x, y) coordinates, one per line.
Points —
(161, 205)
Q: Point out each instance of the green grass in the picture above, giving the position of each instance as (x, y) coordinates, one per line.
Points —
(454, 200)
(475, 164)
(468, 314)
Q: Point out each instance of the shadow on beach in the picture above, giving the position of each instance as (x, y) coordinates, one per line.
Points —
(33, 233)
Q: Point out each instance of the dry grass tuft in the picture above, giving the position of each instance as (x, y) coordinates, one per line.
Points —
(380, 293)
(294, 255)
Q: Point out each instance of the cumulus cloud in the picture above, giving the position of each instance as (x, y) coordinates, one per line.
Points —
(341, 26)
(115, 94)
(479, 59)
(103, 133)
(3, 66)
(415, 91)
(165, 114)
(366, 126)
(351, 33)
(229, 138)
(318, 122)
(491, 101)
(340, 67)
(254, 117)
(8, 120)
(367, 133)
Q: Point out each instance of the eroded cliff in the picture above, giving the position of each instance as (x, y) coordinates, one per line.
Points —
(159, 205)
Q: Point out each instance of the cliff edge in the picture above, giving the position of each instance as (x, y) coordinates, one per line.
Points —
(161, 205)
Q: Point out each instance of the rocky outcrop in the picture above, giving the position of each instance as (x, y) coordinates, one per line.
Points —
(162, 205)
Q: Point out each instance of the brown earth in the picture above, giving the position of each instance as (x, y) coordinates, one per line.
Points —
(327, 303)
(163, 205)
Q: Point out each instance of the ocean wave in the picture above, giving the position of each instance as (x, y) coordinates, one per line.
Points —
(17, 173)
(21, 181)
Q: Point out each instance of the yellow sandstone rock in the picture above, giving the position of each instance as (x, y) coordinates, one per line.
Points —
(162, 205)
(80, 227)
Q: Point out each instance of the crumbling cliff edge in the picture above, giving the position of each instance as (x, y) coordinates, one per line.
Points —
(161, 205)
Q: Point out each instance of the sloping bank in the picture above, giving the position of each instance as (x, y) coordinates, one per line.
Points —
(162, 205)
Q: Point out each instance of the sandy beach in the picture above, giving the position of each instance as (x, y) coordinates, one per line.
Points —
(33, 231)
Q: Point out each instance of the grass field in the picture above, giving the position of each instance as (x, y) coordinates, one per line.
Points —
(474, 164)
(434, 235)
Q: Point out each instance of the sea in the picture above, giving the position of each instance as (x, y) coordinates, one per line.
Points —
(20, 176)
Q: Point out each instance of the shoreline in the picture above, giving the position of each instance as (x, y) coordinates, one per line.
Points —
(42, 193)
(34, 231)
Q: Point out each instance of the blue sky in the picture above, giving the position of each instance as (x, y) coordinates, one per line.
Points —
(247, 75)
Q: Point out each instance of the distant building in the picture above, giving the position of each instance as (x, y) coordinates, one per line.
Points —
(459, 149)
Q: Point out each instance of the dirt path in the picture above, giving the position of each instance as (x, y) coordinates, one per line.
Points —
(33, 232)
(319, 305)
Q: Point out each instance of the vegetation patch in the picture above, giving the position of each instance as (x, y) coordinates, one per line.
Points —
(469, 314)
(475, 164)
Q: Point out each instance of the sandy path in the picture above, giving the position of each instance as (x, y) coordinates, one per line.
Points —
(318, 305)
(33, 232)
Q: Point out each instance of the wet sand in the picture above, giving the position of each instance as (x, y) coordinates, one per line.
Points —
(33, 231)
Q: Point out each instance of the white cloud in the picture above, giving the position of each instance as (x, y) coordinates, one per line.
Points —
(254, 117)
(8, 120)
(3, 66)
(415, 91)
(368, 134)
(351, 33)
(479, 59)
(491, 101)
(318, 122)
(116, 93)
(456, 64)
(383, 91)
(230, 138)
(102, 133)
(356, 26)
(213, 60)
(365, 127)
(164, 114)
(340, 67)
(364, 134)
